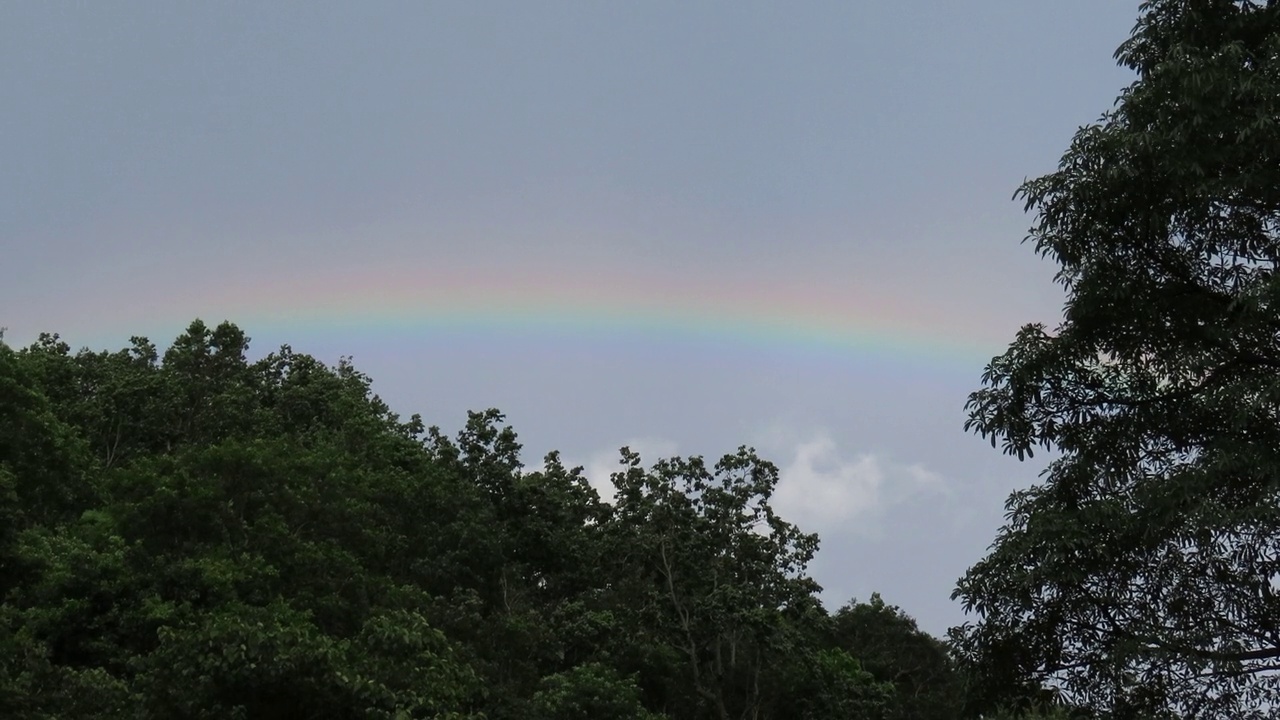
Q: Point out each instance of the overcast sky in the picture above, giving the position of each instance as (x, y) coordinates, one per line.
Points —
(333, 174)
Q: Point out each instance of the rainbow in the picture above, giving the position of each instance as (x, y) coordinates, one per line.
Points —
(400, 301)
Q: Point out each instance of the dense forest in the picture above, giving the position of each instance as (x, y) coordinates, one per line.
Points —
(195, 534)
(191, 534)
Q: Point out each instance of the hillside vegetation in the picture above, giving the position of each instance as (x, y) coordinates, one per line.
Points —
(190, 534)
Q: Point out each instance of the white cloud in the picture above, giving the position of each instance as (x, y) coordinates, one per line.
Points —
(819, 487)
(823, 489)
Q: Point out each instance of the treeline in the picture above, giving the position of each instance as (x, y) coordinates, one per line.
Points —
(194, 535)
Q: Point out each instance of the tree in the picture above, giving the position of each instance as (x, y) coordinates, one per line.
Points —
(697, 561)
(1141, 575)
(835, 686)
(587, 692)
(893, 649)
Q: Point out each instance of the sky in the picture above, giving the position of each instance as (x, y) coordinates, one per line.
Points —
(676, 226)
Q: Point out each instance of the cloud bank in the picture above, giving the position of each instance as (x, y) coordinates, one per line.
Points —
(823, 488)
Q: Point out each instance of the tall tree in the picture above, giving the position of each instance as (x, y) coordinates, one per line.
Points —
(1142, 574)
(890, 645)
(697, 561)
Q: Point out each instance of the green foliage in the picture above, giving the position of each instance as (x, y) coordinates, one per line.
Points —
(587, 692)
(710, 571)
(894, 650)
(836, 686)
(1141, 574)
(42, 461)
(191, 533)
(1053, 712)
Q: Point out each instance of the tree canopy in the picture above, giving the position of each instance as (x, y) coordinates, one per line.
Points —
(191, 533)
(1141, 575)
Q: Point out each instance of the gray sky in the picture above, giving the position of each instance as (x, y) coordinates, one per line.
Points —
(320, 172)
